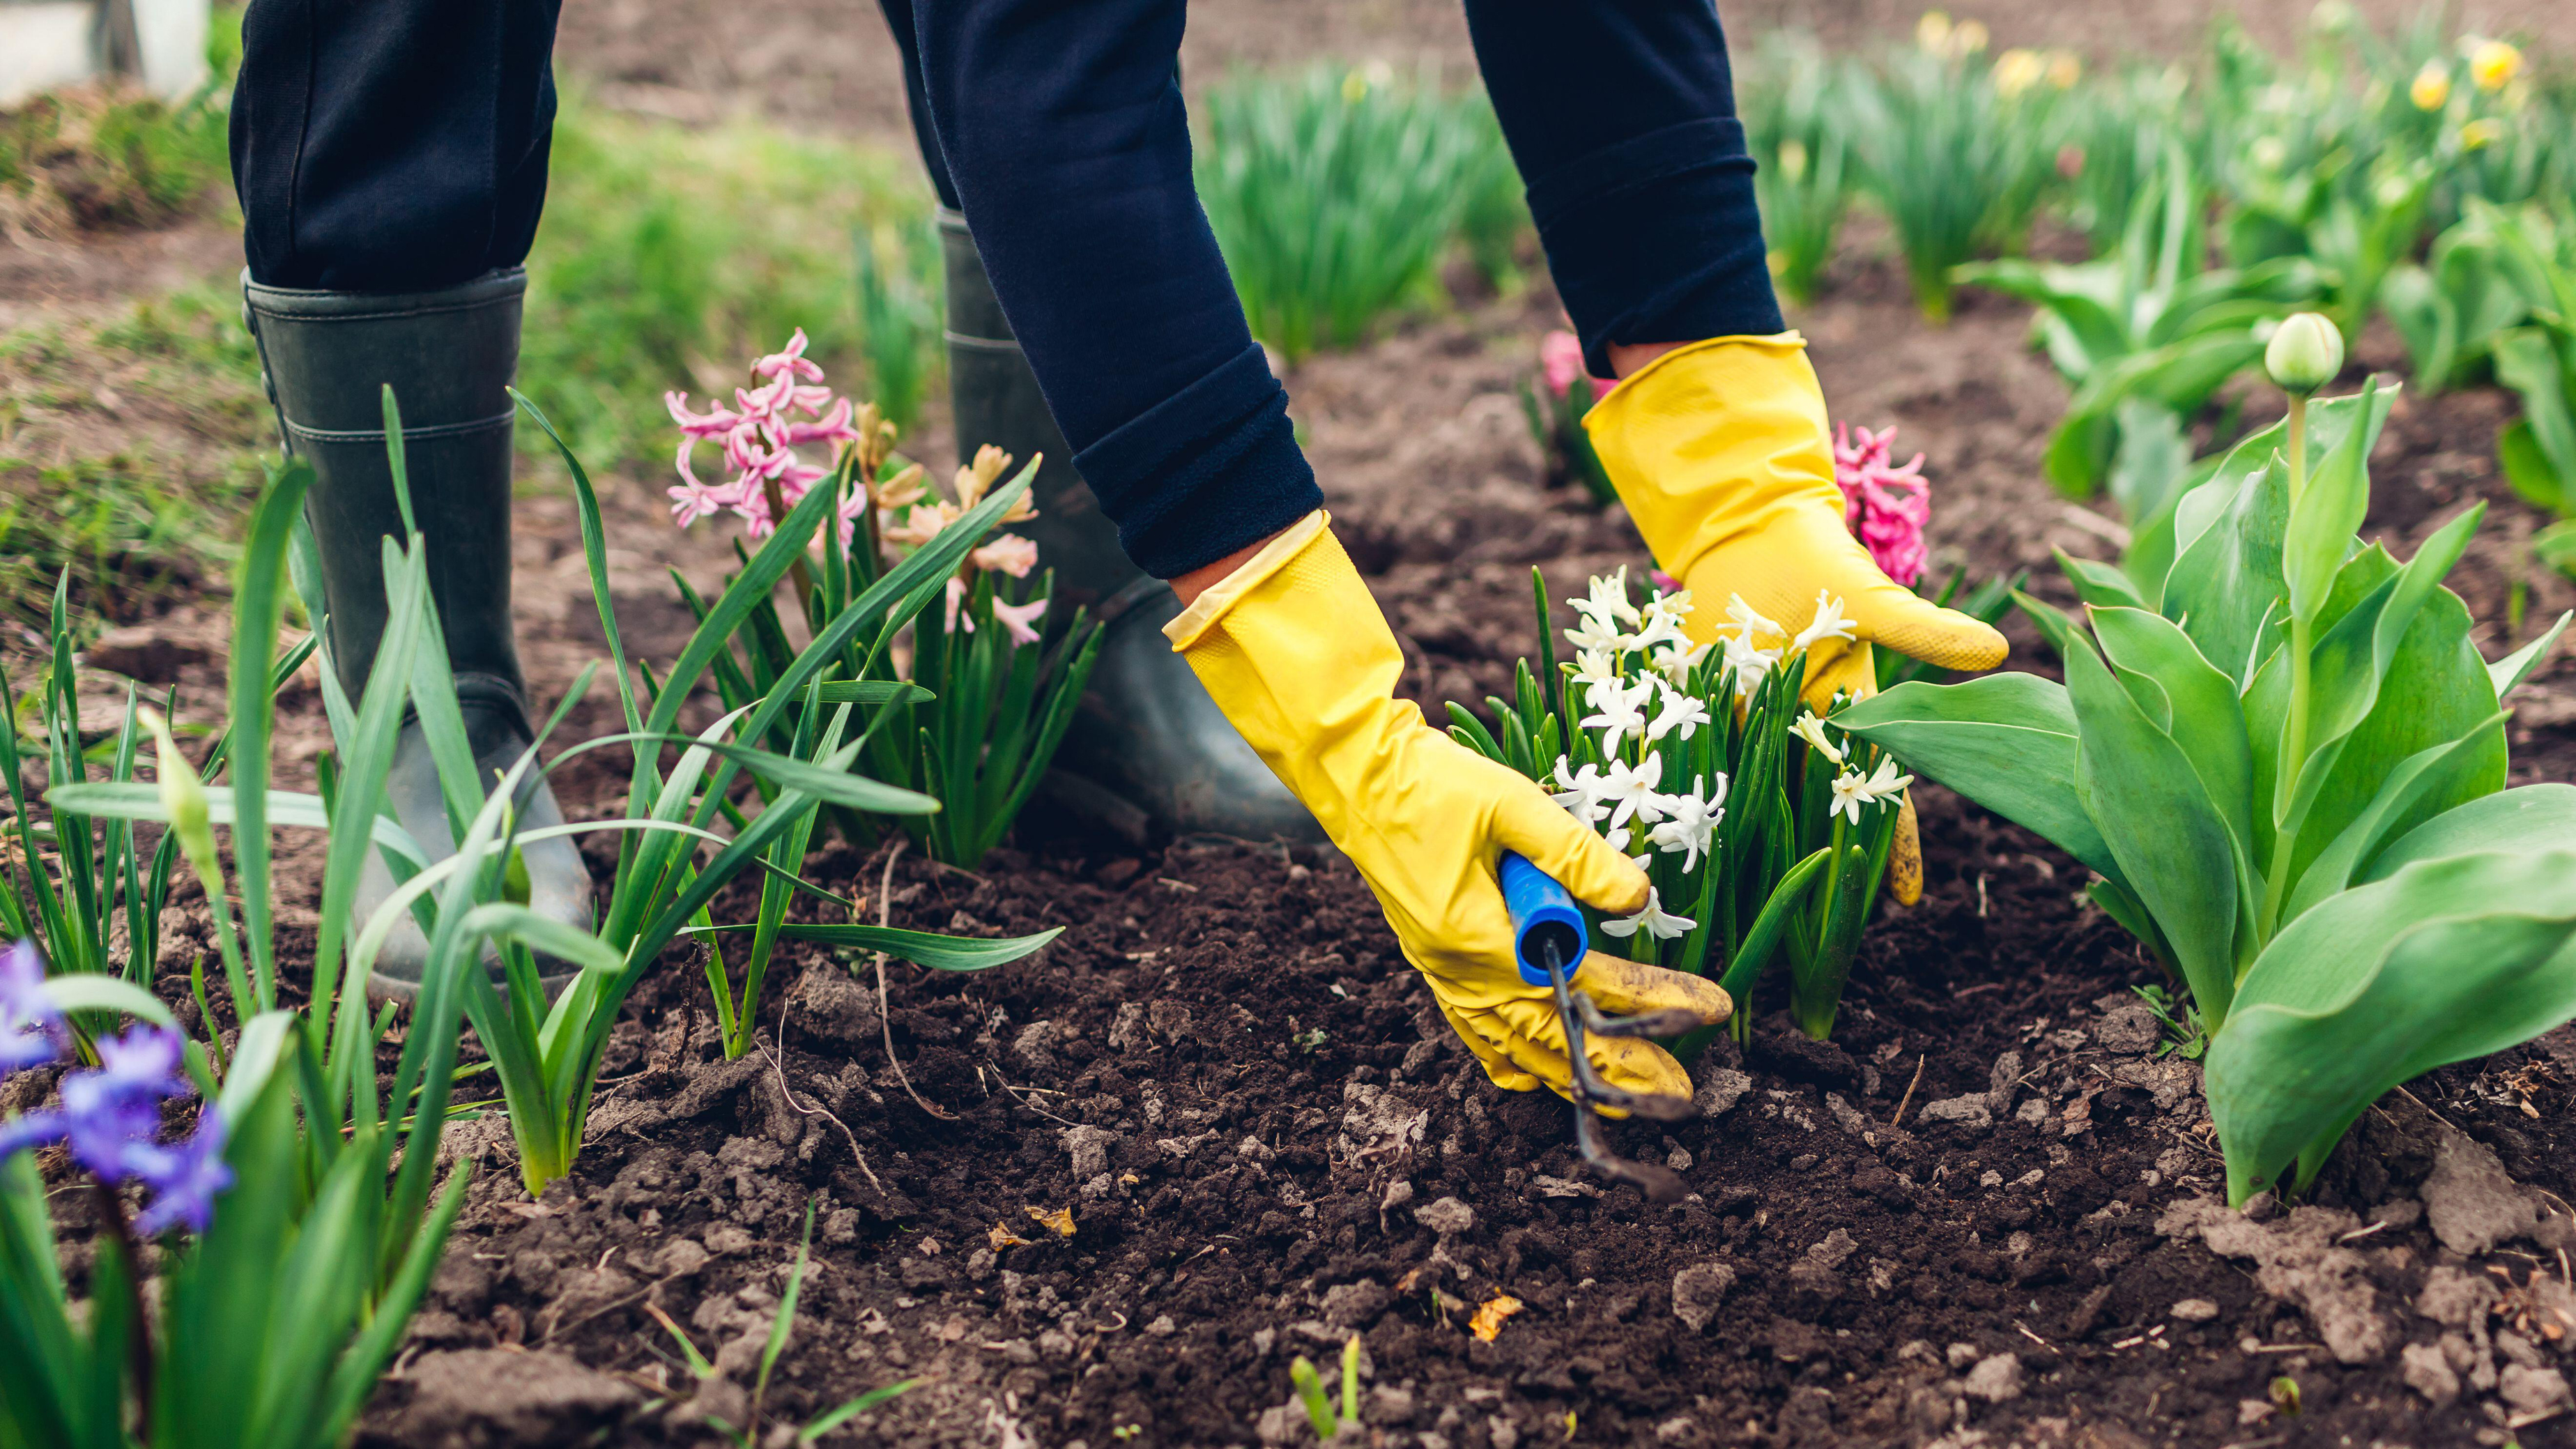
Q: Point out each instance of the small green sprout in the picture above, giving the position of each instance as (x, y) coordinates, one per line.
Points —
(1310, 1392)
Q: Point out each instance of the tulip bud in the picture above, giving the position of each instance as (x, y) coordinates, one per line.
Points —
(2305, 353)
(2431, 86)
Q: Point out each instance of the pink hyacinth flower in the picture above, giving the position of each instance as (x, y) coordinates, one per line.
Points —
(1885, 505)
(1560, 357)
(714, 423)
(789, 361)
(1007, 554)
(832, 427)
(1021, 619)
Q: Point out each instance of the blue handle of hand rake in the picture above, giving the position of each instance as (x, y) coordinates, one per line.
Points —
(1543, 915)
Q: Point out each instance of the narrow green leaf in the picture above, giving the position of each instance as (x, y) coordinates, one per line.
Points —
(924, 948)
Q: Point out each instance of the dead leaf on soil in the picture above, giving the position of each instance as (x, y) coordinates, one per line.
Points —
(1002, 1237)
(1061, 1220)
(1488, 1322)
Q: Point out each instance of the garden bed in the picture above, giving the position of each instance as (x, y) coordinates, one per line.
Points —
(1975, 1212)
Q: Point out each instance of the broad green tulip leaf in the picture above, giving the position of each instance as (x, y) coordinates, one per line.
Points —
(2325, 516)
(2229, 576)
(2349, 665)
(2436, 690)
(2179, 375)
(2404, 801)
(2538, 452)
(2148, 473)
(2379, 984)
(2516, 667)
(2054, 626)
(2123, 906)
(2527, 818)
(2006, 741)
(2555, 546)
(2098, 583)
(2219, 480)
(2527, 468)
(2204, 713)
(2170, 841)
(925, 948)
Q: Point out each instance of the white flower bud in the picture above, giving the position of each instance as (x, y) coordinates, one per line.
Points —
(2305, 353)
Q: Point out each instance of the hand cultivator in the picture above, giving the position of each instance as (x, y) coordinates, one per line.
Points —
(1549, 941)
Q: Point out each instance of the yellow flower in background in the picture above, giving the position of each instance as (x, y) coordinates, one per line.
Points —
(1793, 159)
(1354, 88)
(1932, 32)
(2017, 70)
(1970, 38)
(2494, 64)
(2481, 133)
(2431, 87)
(2065, 68)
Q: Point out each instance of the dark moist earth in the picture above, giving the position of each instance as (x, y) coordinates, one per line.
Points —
(1985, 1214)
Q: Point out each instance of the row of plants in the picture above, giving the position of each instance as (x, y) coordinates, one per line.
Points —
(2426, 177)
(298, 1215)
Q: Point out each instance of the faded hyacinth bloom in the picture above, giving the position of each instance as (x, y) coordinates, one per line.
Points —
(31, 1030)
(1885, 506)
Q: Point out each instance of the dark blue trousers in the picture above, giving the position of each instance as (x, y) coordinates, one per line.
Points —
(384, 145)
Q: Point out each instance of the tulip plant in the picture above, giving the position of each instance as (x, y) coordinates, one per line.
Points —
(2285, 762)
(2451, 307)
(1746, 809)
(2538, 362)
(2146, 334)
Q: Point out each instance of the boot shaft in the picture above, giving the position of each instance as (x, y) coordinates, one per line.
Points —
(449, 357)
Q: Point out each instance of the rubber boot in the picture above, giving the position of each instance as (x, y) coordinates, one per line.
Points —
(449, 356)
(1148, 752)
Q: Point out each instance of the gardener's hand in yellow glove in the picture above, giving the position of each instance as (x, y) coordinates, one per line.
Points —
(1297, 655)
(1719, 450)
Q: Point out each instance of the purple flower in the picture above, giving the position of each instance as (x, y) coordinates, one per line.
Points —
(31, 1030)
(184, 1177)
(119, 1104)
(35, 1129)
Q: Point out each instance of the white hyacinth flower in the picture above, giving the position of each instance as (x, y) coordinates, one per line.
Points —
(1812, 730)
(1608, 599)
(1677, 661)
(1654, 920)
(1830, 623)
(1617, 710)
(1678, 711)
(1630, 791)
(1746, 623)
(1751, 665)
(1596, 667)
(1581, 792)
(1851, 792)
(1690, 822)
(1596, 635)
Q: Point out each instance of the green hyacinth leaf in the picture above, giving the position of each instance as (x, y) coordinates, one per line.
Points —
(2445, 960)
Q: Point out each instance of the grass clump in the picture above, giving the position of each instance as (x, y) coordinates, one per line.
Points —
(1336, 194)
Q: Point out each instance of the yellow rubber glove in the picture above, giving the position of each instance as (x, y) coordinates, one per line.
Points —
(1297, 655)
(1720, 452)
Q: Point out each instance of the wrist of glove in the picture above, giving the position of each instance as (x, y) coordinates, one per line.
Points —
(1296, 653)
(1721, 454)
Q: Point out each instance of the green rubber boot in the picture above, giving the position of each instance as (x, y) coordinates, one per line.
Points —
(449, 356)
(1149, 752)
